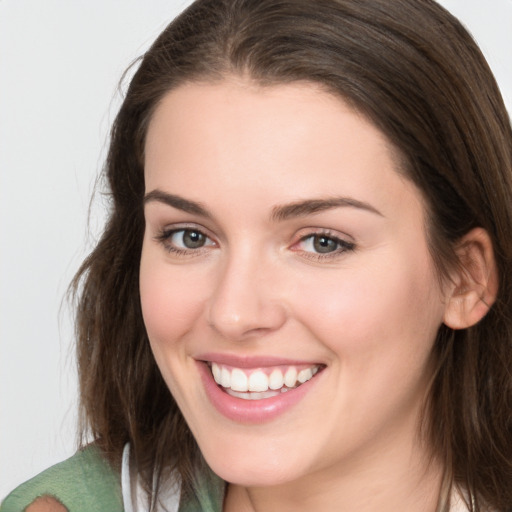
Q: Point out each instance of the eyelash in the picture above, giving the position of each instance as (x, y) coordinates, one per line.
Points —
(342, 246)
(165, 238)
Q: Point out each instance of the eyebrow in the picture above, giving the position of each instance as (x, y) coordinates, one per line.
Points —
(279, 213)
(177, 202)
(311, 206)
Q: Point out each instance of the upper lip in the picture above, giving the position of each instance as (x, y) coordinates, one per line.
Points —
(240, 361)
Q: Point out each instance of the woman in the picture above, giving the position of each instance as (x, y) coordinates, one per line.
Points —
(301, 298)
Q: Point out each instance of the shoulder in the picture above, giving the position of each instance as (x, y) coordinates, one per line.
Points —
(83, 482)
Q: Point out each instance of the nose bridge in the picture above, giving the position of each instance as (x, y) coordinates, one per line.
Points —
(245, 301)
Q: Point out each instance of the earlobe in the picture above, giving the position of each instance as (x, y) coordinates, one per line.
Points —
(474, 285)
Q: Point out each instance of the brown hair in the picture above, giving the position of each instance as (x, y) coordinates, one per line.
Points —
(411, 68)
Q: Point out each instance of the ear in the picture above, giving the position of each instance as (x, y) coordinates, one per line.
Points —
(474, 283)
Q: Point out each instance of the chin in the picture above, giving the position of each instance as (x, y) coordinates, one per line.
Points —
(258, 463)
(250, 475)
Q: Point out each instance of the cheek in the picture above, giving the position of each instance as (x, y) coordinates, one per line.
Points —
(379, 325)
(375, 308)
(171, 299)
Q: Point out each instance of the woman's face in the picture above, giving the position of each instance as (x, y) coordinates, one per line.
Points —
(285, 254)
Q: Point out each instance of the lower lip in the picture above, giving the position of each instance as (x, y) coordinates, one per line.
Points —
(251, 411)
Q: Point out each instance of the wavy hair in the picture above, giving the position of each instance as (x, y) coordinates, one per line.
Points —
(416, 73)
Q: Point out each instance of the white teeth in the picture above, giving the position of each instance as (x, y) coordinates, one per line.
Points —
(216, 372)
(253, 395)
(276, 380)
(239, 380)
(290, 377)
(225, 378)
(258, 381)
(305, 375)
(258, 384)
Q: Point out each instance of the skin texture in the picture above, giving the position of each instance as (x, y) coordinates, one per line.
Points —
(368, 312)
(46, 504)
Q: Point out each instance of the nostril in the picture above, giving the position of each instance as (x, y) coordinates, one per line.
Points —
(243, 301)
(244, 319)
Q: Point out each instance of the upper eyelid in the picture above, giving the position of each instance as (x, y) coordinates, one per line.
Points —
(303, 233)
(345, 241)
(299, 235)
(335, 238)
(164, 236)
(185, 226)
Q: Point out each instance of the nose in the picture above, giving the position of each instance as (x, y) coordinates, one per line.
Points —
(246, 299)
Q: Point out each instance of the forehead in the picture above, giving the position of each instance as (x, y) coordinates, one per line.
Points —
(246, 108)
(291, 141)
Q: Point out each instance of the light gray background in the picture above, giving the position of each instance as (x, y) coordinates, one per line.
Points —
(60, 63)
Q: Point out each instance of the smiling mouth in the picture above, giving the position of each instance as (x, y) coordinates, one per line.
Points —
(261, 383)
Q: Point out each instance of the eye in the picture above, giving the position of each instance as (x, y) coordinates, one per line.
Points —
(324, 244)
(184, 240)
(188, 239)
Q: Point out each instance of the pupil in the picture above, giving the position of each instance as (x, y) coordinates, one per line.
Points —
(193, 239)
(324, 244)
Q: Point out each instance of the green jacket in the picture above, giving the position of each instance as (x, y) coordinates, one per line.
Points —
(86, 483)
